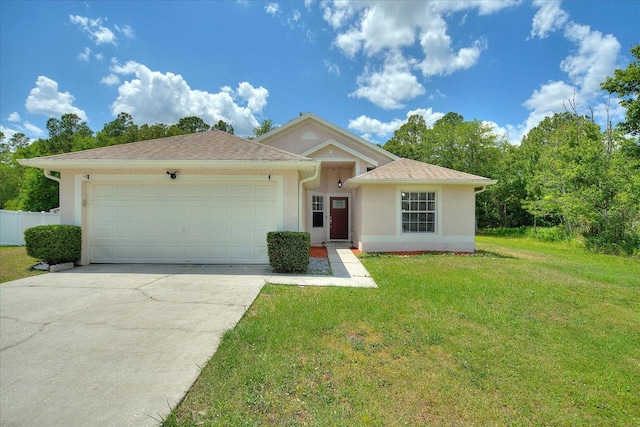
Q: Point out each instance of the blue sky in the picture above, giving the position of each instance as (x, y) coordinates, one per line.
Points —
(365, 66)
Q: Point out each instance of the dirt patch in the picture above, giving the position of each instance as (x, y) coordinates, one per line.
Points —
(318, 252)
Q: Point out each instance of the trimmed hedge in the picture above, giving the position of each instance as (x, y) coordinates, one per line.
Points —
(289, 251)
(54, 244)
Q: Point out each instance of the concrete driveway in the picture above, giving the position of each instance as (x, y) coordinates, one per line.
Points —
(113, 345)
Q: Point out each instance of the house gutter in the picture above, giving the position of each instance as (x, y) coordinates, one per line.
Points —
(300, 201)
(482, 190)
(47, 173)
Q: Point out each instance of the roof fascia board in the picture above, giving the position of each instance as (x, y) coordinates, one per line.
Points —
(355, 182)
(341, 147)
(44, 163)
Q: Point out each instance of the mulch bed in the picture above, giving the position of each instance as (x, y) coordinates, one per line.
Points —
(318, 252)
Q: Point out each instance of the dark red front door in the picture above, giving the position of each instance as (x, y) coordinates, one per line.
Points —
(339, 212)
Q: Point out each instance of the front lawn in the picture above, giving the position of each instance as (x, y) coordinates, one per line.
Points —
(15, 263)
(522, 333)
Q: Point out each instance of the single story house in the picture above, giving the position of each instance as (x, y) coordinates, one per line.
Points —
(211, 197)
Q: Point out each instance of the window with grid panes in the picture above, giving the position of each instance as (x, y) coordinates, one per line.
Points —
(418, 212)
(317, 209)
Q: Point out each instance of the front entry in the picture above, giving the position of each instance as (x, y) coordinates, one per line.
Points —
(339, 218)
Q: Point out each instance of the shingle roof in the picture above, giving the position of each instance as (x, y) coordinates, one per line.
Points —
(412, 170)
(211, 145)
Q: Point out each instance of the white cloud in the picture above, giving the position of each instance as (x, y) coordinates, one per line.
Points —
(592, 61)
(8, 132)
(153, 97)
(378, 29)
(430, 117)
(110, 80)
(369, 127)
(32, 130)
(86, 55)
(331, 67)
(391, 86)
(337, 13)
(94, 28)
(45, 99)
(496, 129)
(272, 8)
(549, 18)
(18, 126)
(126, 31)
(441, 60)
(256, 97)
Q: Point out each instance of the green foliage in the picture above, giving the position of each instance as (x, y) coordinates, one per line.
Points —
(223, 126)
(38, 193)
(54, 244)
(288, 251)
(192, 124)
(265, 127)
(545, 234)
(626, 83)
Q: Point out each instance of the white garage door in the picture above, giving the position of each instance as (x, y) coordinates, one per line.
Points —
(210, 223)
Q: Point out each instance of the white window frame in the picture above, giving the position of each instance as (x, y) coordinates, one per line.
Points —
(418, 211)
(314, 209)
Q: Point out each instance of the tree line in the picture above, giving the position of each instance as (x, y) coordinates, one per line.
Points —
(567, 172)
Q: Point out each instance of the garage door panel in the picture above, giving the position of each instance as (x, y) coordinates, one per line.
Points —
(181, 223)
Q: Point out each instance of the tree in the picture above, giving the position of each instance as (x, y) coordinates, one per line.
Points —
(408, 137)
(63, 131)
(265, 127)
(223, 126)
(192, 124)
(626, 83)
(119, 131)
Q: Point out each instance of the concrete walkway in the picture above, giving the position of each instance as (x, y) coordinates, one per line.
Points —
(346, 267)
(120, 345)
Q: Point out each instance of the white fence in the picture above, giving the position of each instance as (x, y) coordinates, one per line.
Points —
(13, 224)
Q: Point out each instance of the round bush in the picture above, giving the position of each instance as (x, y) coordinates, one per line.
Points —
(54, 244)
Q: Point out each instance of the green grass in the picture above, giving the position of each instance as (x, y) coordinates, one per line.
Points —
(523, 333)
(15, 263)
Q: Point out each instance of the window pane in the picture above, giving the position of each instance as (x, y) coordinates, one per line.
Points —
(318, 219)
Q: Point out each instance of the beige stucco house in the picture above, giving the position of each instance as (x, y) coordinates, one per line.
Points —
(211, 197)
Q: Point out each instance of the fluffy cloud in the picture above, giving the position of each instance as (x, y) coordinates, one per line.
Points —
(100, 33)
(20, 126)
(549, 18)
(380, 29)
(392, 85)
(153, 97)
(110, 80)
(272, 8)
(47, 100)
(367, 127)
(94, 28)
(593, 59)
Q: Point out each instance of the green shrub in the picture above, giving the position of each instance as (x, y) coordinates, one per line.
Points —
(288, 251)
(547, 234)
(54, 244)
